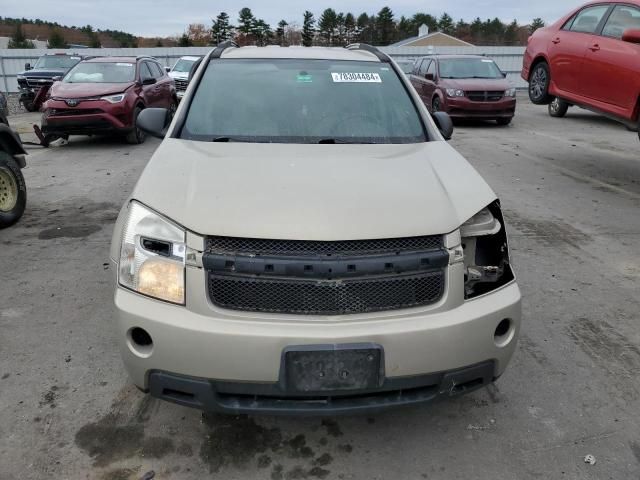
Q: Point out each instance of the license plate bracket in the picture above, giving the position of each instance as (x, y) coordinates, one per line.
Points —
(329, 369)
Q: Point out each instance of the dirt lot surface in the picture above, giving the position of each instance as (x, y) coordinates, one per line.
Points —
(571, 193)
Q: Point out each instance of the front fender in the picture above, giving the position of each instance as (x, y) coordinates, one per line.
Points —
(10, 142)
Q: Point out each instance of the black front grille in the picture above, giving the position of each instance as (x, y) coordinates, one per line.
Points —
(181, 85)
(485, 96)
(330, 297)
(34, 82)
(256, 246)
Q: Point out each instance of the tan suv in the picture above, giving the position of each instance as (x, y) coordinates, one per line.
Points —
(305, 241)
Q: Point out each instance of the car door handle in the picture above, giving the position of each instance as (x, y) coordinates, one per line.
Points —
(594, 48)
(556, 40)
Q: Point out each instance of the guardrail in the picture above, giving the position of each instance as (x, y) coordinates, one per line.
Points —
(509, 59)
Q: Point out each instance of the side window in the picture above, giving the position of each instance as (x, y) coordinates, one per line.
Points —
(156, 70)
(588, 19)
(622, 18)
(144, 71)
(423, 68)
(432, 69)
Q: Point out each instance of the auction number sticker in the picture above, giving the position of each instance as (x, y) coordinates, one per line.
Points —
(356, 77)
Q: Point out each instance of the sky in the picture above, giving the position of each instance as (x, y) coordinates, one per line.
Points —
(149, 18)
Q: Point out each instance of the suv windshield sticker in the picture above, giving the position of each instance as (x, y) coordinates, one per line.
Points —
(304, 78)
(356, 77)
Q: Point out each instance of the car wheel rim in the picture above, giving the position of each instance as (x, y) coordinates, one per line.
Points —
(8, 191)
(555, 106)
(436, 105)
(538, 82)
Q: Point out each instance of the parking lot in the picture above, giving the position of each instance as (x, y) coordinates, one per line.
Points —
(570, 189)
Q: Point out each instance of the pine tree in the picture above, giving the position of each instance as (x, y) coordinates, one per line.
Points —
(280, 32)
(56, 39)
(327, 25)
(536, 24)
(350, 28)
(246, 21)
(477, 31)
(446, 25)
(222, 29)
(511, 33)
(19, 40)
(308, 29)
(185, 41)
(261, 30)
(366, 28)
(420, 19)
(385, 27)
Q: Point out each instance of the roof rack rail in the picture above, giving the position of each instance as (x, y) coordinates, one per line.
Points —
(222, 47)
(369, 48)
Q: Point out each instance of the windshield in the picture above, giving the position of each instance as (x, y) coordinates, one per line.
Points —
(102, 72)
(302, 101)
(469, 68)
(183, 65)
(58, 62)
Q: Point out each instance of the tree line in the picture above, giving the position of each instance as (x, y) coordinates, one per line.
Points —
(334, 28)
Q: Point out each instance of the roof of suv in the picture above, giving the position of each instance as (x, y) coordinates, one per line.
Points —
(118, 59)
(310, 53)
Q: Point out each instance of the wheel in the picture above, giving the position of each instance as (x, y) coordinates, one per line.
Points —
(558, 108)
(136, 136)
(504, 121)
(13, 191)
(539, 81)
(436, 105)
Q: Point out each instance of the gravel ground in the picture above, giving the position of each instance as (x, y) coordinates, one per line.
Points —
(570, 189)
(13, 104)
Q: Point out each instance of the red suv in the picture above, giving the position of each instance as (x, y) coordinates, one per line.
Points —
(589, 58)
(464, 86)
(105, 95)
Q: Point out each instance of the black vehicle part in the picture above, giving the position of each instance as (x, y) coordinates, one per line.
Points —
(539, 81)
(383, 57)
(271, 399)
(558, 108)
(137, 135)
(10, 142)
(13, 191)
(504, 121)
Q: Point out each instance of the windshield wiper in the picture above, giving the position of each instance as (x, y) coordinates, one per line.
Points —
(223, 139)
(343, 142)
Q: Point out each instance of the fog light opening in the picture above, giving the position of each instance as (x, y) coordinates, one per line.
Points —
(503, 333)
(140, 342)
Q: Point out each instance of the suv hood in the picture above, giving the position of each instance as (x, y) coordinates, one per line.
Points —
(82, 90)
(475, 84)
(312, 192)
(180, 75)
(48, 73)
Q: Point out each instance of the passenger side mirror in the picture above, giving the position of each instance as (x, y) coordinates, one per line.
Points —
(429, 76)
(148, 81)
(27, 66)
(504, 74)
(167, 69)
(444, 123)
(154, 121)
(631, 35)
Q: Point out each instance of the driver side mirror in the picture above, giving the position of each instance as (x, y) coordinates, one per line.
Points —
(429, 76)
(631, 35)
(444, 123)
(27, 66)
(148, 81)
(154, 121)
(167, 69)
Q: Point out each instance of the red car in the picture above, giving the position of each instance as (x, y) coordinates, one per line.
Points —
(105, 95)
(464, 86)
(589, 58)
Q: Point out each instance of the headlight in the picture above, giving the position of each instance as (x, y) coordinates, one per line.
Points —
(115, 98)
(455, 92)
(152, 255)
(510, 93)
(21, 77)
(486, 252)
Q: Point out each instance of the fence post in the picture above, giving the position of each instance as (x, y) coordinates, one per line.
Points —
(4, 75)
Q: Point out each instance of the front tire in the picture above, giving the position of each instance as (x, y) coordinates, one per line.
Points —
(436, 105)
(558, 108)
(503, 121)
(136, 136)
(30, 107)
(539, 82)
(13, 191)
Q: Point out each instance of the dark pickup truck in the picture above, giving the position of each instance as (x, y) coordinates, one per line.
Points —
(42, 74)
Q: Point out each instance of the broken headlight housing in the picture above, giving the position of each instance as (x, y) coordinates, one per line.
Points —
(486, 252)
(152, 255)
